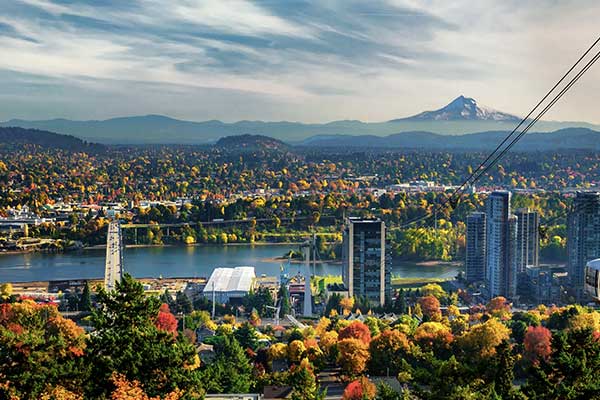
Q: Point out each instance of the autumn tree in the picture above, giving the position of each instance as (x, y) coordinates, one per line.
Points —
(499, 307)
(430, 307)
(388, 351)
(537, 343)
(166, 321)
(132, 390)
(482, 339)
(359, 389)
(356, 330)
(434, 336)
(39, 348)
(296, 350)
(353, 355)
(433, 289)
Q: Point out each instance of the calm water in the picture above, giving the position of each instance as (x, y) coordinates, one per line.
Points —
(195, 261)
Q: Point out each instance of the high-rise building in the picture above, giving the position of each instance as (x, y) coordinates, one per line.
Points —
(475, 257)
(528, 239)
(583, 237)
(366, 268)
(501, 235)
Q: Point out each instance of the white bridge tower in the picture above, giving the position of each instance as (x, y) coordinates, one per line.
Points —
(113, 271)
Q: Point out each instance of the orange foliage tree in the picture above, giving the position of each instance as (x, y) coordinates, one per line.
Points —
(434, 336)
(132, 390)
(360, 389)
(387, 350)
(356, 330)
(499, 308)
(40, 350)
(538, 343)
(165, 320)
(353, 355)
(430, 307)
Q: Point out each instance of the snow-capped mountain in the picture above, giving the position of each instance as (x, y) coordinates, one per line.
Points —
(462, 109)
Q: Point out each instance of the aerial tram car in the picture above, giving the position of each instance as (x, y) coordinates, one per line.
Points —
(592, 279)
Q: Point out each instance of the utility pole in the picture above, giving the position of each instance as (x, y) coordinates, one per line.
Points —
(213, 301)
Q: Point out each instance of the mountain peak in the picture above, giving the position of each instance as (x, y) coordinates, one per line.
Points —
(462, 109)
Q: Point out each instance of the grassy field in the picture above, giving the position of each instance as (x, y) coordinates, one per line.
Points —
(397, 282)
(410, 283)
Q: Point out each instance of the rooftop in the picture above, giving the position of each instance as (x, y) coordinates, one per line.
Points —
(238, 279)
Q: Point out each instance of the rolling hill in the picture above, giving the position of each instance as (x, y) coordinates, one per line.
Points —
(569, 138)
(17, 136)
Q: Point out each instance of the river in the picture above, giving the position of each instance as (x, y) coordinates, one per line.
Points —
(191, 261)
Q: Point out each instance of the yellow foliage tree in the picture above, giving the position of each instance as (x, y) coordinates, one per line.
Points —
(481, 341)
(585, 320)
(328, 341)
(322, 326)
(296, 351)
(6, 290)
(433, 289)
(347, 303)
(353, 356)
(278, 351)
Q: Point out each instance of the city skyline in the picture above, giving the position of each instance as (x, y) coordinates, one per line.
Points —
(298, 61)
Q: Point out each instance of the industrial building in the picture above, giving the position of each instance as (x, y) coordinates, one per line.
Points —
(229, 283)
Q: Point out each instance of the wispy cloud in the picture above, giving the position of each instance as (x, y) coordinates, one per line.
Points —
(294, 59)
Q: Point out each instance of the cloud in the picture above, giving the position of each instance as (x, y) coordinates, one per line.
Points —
(292, 59)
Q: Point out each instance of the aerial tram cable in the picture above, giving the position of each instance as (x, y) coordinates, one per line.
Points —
(478, 172)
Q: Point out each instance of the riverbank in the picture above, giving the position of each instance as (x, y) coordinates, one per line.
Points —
(297, 261)
(150, 246)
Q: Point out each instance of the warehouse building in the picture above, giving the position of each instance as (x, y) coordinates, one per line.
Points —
(229, 283)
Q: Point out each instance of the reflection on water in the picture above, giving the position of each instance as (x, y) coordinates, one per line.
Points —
(192, 261)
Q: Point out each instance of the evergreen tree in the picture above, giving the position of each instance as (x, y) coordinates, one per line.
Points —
(167, 299)
(127, 341)
(85, 302)
(386, 392)
(504, 371)
(571, 372)
(183, 303)
(304, 385)
(333, 303)
(230, 371)
(400, 306)
(246, 336)
(284, 300)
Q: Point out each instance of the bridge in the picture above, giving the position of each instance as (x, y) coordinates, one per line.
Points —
(216, 222)
(113, 270)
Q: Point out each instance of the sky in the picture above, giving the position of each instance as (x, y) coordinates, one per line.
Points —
(295, 60)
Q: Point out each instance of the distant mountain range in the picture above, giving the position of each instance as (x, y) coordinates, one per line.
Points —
(564, 139)
(568, 138)
(463, 115)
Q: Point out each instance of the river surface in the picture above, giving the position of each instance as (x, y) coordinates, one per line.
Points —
(192, 261)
